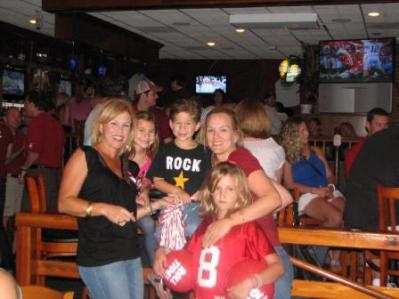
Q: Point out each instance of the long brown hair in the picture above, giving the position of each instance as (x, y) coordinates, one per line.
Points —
(291, 139)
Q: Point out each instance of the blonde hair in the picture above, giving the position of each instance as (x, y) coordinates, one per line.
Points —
(219, 171)
(253, 118)
(148, 116)
(111, 109)
(291, 139)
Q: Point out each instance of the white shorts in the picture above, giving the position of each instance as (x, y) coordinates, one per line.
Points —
(14, 192)
(306, 198)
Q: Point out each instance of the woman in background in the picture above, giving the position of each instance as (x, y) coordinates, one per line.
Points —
(255, 125)
(307, 169)
(218, 98)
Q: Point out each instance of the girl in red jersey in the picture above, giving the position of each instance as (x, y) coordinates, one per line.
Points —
(227, 191)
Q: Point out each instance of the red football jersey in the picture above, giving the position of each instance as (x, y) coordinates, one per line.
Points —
(214, 263)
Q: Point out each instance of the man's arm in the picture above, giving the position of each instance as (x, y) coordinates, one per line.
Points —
(30, 160)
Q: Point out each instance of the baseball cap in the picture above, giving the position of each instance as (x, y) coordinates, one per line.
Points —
(146, 85)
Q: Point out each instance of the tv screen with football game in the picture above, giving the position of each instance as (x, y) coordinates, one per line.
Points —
(13, 82)
(207, 84)
(362, 60)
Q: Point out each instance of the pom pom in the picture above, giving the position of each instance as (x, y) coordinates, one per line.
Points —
(172, 231)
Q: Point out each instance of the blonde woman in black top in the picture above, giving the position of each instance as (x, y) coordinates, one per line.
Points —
(97, 187)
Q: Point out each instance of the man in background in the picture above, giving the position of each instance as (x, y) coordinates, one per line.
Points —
(377, 163)
(177, 90)
(45, 147)
(146, 100)
(377, 120)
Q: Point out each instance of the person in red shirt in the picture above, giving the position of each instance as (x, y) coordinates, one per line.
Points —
(6, 140)
(5, 145)
(227, 191)
(45, 146)
(377, 120)
(15, 158)
(146, 100)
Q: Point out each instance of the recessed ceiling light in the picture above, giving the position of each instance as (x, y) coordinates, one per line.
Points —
(240, 30)
(373, 14)
(33, 20)
(211, 44)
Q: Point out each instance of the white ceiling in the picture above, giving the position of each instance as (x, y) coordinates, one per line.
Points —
(185, 32)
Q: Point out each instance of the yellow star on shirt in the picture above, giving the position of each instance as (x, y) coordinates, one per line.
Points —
(180, 180)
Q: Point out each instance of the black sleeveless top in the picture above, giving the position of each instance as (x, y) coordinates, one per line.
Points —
(100, 241)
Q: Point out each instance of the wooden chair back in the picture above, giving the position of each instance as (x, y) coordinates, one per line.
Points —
(288, 215)
(36, 193)
(40, 292)
(388, 200)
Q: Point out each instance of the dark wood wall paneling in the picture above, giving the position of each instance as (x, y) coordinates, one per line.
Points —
(92, 31)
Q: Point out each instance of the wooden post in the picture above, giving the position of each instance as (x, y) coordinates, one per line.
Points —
(24, 257)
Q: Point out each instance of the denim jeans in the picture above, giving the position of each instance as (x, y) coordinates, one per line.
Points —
(191, 218)
(282, 287)
(147, 224)
(122, 280)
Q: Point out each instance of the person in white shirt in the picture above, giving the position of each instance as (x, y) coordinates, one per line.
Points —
(255, 124)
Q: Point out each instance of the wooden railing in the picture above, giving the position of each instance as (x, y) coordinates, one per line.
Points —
(340, 287)
(30, 265)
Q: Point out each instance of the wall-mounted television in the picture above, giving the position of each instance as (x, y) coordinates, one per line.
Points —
(13, 82)
(207, 84)
(360, 60)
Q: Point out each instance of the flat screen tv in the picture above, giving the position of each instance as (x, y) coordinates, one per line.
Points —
(207, 84)
(13, 82)
(361, 60)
